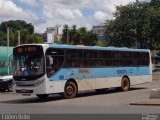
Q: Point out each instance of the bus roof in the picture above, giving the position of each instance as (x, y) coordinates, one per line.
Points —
(97, 48)
(65, 46)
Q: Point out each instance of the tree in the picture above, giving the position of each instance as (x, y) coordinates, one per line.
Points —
(92, 39)
(26, 30)
(73, 34)
(35, 38)
(135, 24)
(78, 36)
(83, 35)
(65, 35)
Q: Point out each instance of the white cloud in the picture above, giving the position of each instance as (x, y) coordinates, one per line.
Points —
(65, 14)
(100, 16)
(66, 3)
(65, 10)
(33, 3)
(60, 11)
(8, 9)
(69, 11)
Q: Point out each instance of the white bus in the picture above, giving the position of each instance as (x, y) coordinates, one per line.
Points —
(43, 69)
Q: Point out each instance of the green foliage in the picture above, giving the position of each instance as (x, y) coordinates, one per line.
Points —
(101, 43)
(135, 24)
(26, 32)
(76, 36)
(65, 34)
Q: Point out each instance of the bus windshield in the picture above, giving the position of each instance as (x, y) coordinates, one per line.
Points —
(29, 65)
(28, 61)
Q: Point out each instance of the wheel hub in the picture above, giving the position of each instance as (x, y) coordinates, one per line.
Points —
(69, 90)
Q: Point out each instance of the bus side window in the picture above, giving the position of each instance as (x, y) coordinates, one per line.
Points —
(74, 58)
(54, 60)
(49, 63)
(144, 59)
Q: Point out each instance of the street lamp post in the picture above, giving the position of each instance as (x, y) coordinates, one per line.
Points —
(8, 50)
(68, 35)
(19, 42)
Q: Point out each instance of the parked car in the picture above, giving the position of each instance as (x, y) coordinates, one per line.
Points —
(6, 83)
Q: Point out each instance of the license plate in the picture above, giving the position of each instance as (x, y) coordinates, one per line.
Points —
(24, 90)
(26, 94)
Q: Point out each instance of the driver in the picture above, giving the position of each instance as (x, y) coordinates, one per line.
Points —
(26, 71)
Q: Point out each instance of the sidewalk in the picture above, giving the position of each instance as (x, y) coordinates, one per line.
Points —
(156, 75)
(151, 102)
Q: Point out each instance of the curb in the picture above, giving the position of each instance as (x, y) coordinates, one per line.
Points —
(154, 93)
(149, 102)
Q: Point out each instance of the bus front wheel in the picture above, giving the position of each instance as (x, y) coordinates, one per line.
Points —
(125, 84)
(70, 90)
(10, 87)
(42, 96)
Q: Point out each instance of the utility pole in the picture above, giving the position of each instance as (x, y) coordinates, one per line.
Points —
(8, 50)
(67, 35)
(19, 37)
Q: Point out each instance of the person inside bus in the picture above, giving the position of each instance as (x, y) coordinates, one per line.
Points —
(26, 71)
(50, 65)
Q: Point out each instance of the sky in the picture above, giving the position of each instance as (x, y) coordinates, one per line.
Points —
(47, 13)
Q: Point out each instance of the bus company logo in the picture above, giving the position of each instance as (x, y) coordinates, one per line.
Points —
(71, 72)
(149, 117)
(83, 71)
(130, 70)
(121, 72)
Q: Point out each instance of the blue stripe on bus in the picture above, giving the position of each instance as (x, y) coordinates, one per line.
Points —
(96, 48)
(84, 73)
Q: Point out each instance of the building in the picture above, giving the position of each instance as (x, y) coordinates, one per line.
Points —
(100, 31)
(54, 33)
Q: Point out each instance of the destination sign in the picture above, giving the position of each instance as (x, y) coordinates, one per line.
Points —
(28, 49)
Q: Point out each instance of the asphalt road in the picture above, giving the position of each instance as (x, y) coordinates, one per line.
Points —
(90, 102)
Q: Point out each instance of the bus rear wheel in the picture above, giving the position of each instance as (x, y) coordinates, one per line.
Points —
(125, 84)
(42, 96)
(70, 90)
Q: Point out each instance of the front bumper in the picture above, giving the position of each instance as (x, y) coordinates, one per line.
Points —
(3, 84)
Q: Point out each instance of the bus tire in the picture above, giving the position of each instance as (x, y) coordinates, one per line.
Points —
(42, 96)
(2, 90)
(70, 90)
(10, 87)
(125, 84)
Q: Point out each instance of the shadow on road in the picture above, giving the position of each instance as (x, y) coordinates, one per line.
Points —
(56, 97)
(106, 91)
(33, 100)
